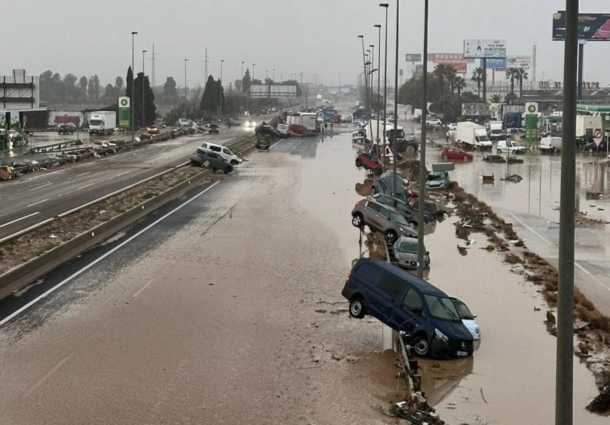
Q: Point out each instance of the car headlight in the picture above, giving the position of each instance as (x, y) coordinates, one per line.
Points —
(477, 330)
(441, 336)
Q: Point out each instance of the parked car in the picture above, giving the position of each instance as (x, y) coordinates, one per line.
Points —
(550, 144)
(433, 122)
(66, 129)
(430, 209)
(452, 127)
(399, 205)
(495, 159)
(385, 185)
(405, 251)
(381, 218)
(210, 159)
(438, 180)
(406, 303)
(468, 318)
(223, 151)
(591, 147)
(369, 162)
(455, 154)
(346, 118)
(510, 146)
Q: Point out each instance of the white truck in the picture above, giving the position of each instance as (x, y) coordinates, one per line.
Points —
(587, 125)
(472, 135)
(102, 122)
(306, 119)
(495, 130)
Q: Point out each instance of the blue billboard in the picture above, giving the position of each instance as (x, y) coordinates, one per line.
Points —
(495, 63)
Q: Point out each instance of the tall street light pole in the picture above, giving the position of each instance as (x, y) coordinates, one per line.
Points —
(133, 94)
(253, 65)
(565, 298)
(379, 87)
(143, 91)
(274, 75)
(396, 101)
(221, 62)
(185, 98)
(423, 174)
(372, 46)
(385, 79)
(366, 82)
(242, 70)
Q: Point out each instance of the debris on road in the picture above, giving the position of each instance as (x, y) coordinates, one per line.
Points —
(513, 178)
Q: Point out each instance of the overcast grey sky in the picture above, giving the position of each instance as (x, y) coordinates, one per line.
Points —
(311, 36)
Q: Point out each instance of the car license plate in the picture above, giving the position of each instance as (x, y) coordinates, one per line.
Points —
(462, 354)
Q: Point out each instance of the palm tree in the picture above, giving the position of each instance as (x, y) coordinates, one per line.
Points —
(459, 83)
(478, 75)
(440, 73)
(496, 98)
(521, 75)
(512, 75)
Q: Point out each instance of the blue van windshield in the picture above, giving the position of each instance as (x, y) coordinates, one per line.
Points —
(442, 308)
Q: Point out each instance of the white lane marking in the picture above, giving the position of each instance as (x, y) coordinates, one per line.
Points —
(122, 174)
(85, 186)
(275, 144)
(47, 376)
(40, 187)
(84, 174)
(599, 282)
(139, 291)
(93, 263)
(39, 202)
(19, 219)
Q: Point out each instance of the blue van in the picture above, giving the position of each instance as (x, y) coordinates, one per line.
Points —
(406, 303)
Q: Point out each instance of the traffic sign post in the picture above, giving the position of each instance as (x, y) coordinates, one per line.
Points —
(598, 137)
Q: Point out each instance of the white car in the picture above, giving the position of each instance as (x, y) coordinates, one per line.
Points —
(434, 122)
(468, 318)
(510, 146)
(250, 124)
(224, 152)
(452, 127)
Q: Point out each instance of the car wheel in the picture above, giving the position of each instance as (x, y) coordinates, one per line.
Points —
(412, 224)
(421, 345)
(499, 150)
(373, 191)
(358, 163)
(357, 220)
(391, 236)
(228, 169)
(466, 158)
(445, 158)
(356, 308)
(234, 162)
(213, 169)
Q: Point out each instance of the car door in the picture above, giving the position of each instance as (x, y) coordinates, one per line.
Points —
(408, 313)
(372, 217)
(383, 217)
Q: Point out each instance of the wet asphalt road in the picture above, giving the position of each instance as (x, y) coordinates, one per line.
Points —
(46, 194)
(224, 307)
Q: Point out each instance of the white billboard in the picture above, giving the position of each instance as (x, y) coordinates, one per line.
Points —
(484, 48)
(524, 62)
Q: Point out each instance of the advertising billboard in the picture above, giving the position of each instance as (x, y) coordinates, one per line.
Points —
(524, 62)
(475, 109)
(414, 57)
(456, 60)
(591, 26)
(274, 91)
(495, 63)
(484, 48)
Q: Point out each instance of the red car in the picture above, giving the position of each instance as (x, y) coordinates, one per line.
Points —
(455, 154)
(369, 162)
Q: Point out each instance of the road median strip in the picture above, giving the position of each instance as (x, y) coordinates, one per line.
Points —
(34, 253)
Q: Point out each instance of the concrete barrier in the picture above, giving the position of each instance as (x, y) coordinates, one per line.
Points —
(28, 272)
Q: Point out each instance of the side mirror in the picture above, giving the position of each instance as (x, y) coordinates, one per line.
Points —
(475, 315)
(427, 252)
(417, 311)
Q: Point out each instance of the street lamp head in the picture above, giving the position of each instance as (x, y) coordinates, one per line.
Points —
(367, 63)
(222, 60)
(386, 5)
(377, 26)
(134, 32)
(144, 51)
(372, 46)
(360, 36)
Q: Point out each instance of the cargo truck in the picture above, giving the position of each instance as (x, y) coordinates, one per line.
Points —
(102, 122)
(472, 135)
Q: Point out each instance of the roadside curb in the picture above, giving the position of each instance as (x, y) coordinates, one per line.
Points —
(35, 268)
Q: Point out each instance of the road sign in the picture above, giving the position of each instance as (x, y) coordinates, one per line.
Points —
(531, 107)
(124, 112)
(414, 57)
(597, 137)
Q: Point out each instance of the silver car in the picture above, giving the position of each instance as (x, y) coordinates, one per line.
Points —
(405, 251)
(383, 219)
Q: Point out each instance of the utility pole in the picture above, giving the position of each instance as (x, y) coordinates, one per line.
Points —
(564, 390)
(423, 175)
(534, 60)
(385, 78)
(206, 62)
(153, 73)
(185, 98)
(143, 89)
(221, 62)
(395, 159)
(132, 100)
(378, 26)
